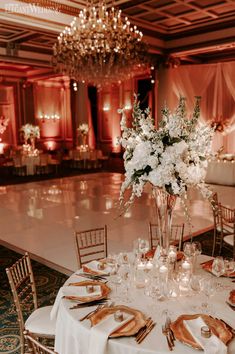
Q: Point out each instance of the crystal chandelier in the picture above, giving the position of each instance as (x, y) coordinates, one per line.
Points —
(99, 47)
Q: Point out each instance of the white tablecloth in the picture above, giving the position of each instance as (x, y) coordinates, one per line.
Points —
(220, 172)
(30, 162)
(72, 336)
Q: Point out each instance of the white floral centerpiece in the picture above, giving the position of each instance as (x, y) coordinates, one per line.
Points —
(172, 157)
(83, 128)
(30, 131)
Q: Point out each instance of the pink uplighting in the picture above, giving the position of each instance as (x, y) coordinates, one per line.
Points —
(51, 145)
(2, 146)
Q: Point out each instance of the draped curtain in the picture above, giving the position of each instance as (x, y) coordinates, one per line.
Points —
(215, 83)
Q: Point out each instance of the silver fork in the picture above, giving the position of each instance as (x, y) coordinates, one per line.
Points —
(99, 307)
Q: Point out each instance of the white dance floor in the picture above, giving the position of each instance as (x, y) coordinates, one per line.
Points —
(40, 217)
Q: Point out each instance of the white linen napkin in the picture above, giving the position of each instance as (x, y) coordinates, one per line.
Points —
(99, 334)
(93, 265)
(72, 291)
(212, 345)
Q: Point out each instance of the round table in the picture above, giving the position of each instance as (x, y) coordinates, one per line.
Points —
(72, 336)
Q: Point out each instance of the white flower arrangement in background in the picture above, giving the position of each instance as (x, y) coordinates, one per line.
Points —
(3, 124)
(172, 157)
(83, 128)
(30, 131)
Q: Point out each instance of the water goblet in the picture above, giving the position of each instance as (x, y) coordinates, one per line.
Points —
(208, 288)
(143, 246)
(126, 276)
(218, 268)
(188, 249)
(115, 278)
(197, 250)
(229, 266)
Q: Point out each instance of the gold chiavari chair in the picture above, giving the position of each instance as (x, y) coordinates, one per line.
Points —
(91, 245)
(217, 224)
(227, 220)
(34, 346)
(176, 236)
(21, 279)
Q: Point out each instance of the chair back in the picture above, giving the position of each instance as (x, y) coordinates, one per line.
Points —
(34, 346)
(227, 219)
(21, 280)
(217, 222)
(176, 236)
(91, 245)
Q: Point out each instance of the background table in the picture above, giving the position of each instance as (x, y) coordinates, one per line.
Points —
(221, 172)
(72, 336)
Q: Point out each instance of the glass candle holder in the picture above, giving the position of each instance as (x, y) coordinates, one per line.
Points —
(89, 289)
(101, 266)
(118, 316)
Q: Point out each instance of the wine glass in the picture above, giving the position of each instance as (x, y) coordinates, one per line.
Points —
(229, 266)
(126, 279)
(115, 278)
(197, 250)
(218, 267)
(208, 288)
(143, 246)
(188, 249)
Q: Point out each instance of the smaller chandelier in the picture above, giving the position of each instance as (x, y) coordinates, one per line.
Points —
(100, 47)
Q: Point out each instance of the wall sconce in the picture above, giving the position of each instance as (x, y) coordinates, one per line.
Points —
(106, 107)
(2, 146)
(46, 117)
(51, 145)
(128, 106)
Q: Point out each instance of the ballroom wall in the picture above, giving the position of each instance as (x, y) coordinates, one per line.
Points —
(41, 102)
(215, 83)
(29, 101)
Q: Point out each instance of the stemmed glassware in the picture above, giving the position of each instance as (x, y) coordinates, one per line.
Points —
(188, 249)
(143, 246)
(208, 288)
(229, 266)
(218, 267)
(115, 277)
(197, 250)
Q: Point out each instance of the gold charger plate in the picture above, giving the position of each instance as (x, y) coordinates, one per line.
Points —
(208, 267)
(105, 290)
(128, 329)
(217, 327)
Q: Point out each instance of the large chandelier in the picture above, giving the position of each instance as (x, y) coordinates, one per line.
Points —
(100, 47)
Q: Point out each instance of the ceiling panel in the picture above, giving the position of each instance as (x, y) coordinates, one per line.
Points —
(170, 26)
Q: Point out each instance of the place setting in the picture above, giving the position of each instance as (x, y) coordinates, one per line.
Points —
(202, 332)
(109, 322)
(85, 293)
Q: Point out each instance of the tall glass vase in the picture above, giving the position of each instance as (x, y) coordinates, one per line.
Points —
(165, 204)
(32, 141)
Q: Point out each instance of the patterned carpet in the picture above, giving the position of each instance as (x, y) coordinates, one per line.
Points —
(48, 281)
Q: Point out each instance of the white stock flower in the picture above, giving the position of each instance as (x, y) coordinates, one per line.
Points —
(172, 157)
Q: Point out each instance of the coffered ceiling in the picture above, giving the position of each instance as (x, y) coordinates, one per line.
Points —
(196, 31)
